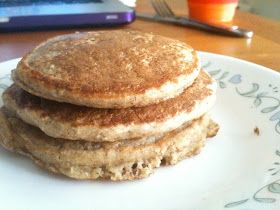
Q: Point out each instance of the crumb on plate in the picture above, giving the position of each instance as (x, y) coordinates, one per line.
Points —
(257, 131)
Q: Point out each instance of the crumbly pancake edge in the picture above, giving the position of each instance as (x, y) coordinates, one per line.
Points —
(183, 144)
(61, 151)
(128, 171)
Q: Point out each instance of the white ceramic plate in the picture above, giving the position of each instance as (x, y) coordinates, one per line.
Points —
(237, 169)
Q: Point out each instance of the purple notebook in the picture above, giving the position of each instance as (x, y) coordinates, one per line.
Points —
(39, 14)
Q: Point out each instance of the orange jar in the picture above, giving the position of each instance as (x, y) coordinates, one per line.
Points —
(212, 11)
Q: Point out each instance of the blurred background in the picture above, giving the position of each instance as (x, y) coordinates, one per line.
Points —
(260, 16)
(267, 8)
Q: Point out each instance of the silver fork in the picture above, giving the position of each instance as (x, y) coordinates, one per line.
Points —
(165, 12)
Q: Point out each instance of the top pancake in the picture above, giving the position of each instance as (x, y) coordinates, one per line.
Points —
(108, 69)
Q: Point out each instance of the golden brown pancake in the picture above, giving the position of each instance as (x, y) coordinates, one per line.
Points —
(108, 69)
(63, 120)
(124, 160)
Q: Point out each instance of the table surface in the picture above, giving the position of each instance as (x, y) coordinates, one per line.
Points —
(263, 48)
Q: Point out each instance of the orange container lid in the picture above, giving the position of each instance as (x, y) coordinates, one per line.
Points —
(212, 1)
(212, 13)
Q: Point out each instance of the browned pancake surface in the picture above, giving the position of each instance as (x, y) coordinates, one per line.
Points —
(104, 65)
(80, 115)
(117, 161)
(102, 62)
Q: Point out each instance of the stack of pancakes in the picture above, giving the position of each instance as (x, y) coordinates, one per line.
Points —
(108, 104)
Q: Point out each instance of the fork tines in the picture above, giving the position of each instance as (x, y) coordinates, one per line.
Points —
(162, 8)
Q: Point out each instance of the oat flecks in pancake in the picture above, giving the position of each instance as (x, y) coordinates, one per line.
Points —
(73, 122)
(108, 69)
(85, 160)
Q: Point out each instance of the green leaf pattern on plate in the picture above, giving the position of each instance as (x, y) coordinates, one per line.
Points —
(236, 203)
(257, 96)
(274, 188)
(254, 92)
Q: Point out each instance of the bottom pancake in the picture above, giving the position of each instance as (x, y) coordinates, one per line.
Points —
(123, 160)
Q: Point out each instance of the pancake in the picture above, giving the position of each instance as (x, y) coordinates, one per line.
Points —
(124, 160)
(62, 120)
(108, 69)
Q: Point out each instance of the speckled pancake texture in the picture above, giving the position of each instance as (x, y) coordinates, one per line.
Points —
(124, 160)
(108, 69)
(112, 104)
(63, 120)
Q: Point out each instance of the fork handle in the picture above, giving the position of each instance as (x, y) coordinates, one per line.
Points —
(232, 31)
